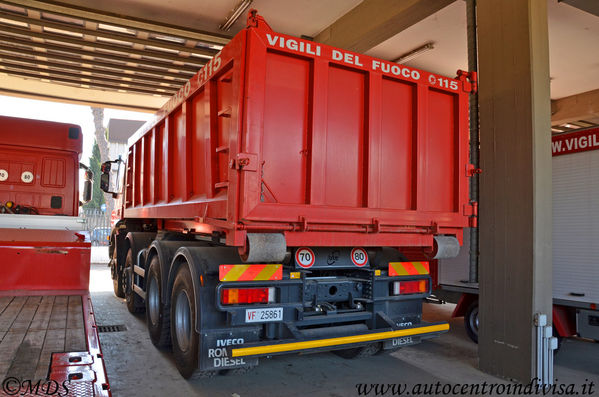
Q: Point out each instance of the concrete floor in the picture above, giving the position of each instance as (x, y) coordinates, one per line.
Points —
(136, 368)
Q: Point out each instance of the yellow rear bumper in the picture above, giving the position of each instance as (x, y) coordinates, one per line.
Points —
(428, 330)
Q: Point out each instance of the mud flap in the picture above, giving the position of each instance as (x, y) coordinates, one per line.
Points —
(214, 354)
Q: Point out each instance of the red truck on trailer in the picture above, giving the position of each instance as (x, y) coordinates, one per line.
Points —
(48, 337)
(266, 210)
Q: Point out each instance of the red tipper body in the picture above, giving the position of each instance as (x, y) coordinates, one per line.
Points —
(282, 188)
(331, 148)
(45, 306)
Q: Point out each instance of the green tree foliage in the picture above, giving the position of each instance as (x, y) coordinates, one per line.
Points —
(95, 164)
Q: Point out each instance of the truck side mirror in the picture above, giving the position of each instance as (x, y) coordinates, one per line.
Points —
(88, 184)
(88, 187)
(111, 175)
(105, 182)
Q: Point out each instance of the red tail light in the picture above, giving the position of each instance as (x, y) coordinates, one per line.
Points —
(410, 287)
(238, 296)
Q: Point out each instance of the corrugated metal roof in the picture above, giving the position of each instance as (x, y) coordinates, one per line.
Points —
(85, 48)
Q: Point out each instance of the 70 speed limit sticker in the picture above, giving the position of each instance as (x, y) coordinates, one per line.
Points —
(305, 257)
(359, 257)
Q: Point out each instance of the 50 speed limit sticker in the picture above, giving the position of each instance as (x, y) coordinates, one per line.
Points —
(304, 257)
(359, 257)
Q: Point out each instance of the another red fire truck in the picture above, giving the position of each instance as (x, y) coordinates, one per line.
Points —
(48, 336)
(575, 169)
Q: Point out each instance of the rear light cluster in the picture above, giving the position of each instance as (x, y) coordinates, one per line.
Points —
(240, 296)
(410, 287)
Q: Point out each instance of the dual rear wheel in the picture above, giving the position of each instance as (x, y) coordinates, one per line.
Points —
(183, 330)
(173, 323)
(157, 314)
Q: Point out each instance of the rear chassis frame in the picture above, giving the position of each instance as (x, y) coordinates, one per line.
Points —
(369, 312)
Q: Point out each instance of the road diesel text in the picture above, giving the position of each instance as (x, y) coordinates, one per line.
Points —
(219, 354)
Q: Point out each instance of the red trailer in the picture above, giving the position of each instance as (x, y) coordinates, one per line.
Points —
(268, 205)
(48, 337)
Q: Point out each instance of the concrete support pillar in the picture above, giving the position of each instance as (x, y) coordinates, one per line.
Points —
(515, 186)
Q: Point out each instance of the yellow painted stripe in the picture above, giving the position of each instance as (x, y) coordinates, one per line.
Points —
(420, 267)
(399, 269)
(235, 272)
(267, 272)
(345, 340)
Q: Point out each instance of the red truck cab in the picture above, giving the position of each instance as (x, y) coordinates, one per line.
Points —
(48, 334)
(39, 165)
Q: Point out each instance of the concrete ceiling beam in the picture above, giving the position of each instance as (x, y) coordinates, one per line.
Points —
(576, 107)
(36, 89)
(374, 21)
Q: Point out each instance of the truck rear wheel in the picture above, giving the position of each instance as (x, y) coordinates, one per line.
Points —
(134, 302)
(184, 336)
(157, 313)
(471, 321)
(111, 244)
(117, 280)
(359, 352)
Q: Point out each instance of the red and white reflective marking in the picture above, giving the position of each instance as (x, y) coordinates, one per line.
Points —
(305, 257)
(359, 257)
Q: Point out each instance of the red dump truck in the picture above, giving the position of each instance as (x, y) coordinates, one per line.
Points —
(49, 341)
(266, 210)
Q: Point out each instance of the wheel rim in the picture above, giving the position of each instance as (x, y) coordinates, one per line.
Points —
(125, 284)
(183, 321)
(153, 301)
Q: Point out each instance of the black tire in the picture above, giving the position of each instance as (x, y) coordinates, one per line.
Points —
(158, 316)
(183, 333)
(111, 244)
(471, 321)
(134, 302)
(359, 352)
(117, 280)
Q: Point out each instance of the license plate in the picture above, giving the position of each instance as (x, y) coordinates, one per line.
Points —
(263, 315)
